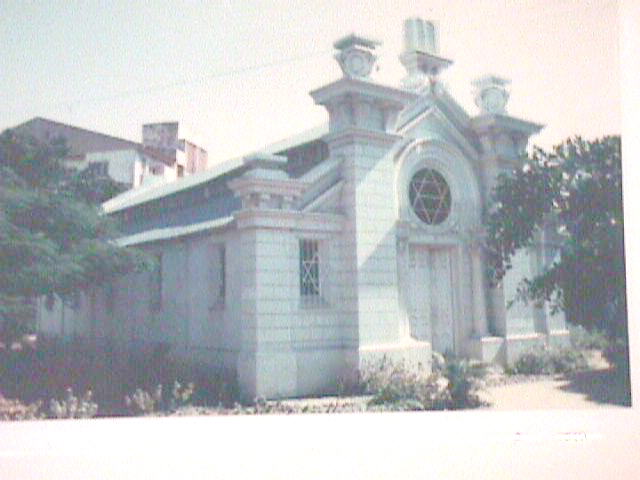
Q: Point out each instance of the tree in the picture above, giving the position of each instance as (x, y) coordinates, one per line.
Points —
(574, 196)
(53, 240)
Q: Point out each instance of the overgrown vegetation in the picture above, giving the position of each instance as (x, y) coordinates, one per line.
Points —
(593, 339)
(74, 407)
(452, 384)
(142, 402)
(573, 196)
(16, 410)
(53, 240)
(549, 361)
(111, 372)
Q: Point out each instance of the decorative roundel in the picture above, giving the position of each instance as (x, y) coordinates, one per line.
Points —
(430, 196)
(493, 100)
(356, 63)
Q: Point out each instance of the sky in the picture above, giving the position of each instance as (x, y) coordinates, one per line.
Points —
(237, 74)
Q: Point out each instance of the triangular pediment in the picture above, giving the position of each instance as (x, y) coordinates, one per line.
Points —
(439, 116)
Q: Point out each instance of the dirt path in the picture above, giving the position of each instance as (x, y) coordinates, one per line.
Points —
(593, 389)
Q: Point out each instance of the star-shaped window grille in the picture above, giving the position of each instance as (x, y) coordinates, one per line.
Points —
(430, 196)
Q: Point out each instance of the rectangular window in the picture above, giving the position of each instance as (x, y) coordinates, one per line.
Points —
(309, 269)
(156, 285)
(217, 275)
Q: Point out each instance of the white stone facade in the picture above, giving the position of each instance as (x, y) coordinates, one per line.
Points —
(295, 270)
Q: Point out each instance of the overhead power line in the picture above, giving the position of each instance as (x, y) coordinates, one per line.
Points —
(182, 83)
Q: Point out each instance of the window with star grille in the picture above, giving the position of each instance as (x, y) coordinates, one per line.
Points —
(309, 269)
(430, 196)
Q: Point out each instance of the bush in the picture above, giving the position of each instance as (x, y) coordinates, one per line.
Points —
(453, 384)
(110, 370)
(15, 410)
(142, 402)
(583, 339)
(464, 379)
(549, 361)
(617, 354)
(74, 407)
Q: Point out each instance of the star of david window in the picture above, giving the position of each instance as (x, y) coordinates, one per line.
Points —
(430, 196)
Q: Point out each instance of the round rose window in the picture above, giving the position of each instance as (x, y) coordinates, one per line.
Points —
(430, 196)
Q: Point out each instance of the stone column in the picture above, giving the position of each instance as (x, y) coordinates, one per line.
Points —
(480, 327)
(504, 140)
(267, 363)
(362, 118)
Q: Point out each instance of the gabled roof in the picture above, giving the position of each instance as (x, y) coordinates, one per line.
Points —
(307, 136)
(144, 194)
(80, 141)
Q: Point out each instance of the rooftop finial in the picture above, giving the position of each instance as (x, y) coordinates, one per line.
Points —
(491, 94)
(420, 36)
(355, 56)
(420, 57)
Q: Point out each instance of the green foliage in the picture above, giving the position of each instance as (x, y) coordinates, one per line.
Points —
(53, 241)
(16, 410)
(549, 361)
(573, 197)
(593, 339)
(617, 354)
(142, 402)
(453, 384)
(74, 407)
(464, 378)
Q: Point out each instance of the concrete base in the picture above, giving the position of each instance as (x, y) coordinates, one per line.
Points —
(506, 350)
(487, 349)
(412, 352)
(559, 338)
(325, 371)
(516, 345)
(268, 374)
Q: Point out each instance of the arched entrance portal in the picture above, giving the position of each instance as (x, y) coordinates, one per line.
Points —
(439, 204)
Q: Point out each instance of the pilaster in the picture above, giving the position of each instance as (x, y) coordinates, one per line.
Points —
(362, 118)
(266, 362)
(503, 141)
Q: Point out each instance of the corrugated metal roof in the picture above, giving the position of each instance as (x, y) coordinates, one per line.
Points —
(301, 138)
(144, 194)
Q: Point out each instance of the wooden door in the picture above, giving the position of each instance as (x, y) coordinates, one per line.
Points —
(431, 309)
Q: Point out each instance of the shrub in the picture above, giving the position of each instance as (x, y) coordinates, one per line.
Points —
(142, 402)
(74, 407)
(568, 360)
(583, 339)
(617, 354)
(464, 379)
(453, 384)
(15, 410)
(548, 361)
